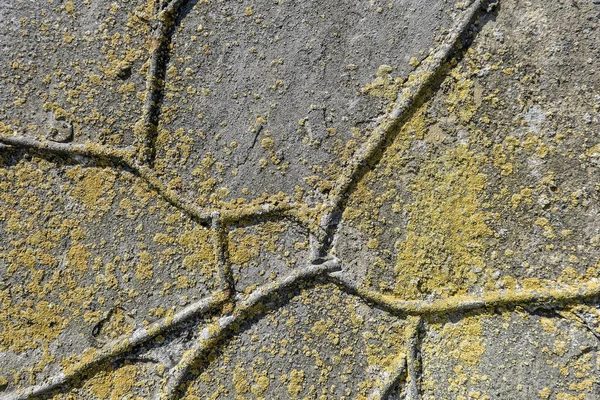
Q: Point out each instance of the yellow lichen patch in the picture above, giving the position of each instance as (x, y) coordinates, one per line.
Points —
(267, 143)
(465, 339)
(240, 381)
(143, 269)
(545, 393)
(458, 346)
(244, 247)
(64, 278)
(296, 383)
(464, 98)
(261, 383)
(443, 246)
(69, 7)
(115, 324)
(384, 85)
(442, 230)
(34, 325)
(78, 258)
(94, 188)
(198, 252)
(548, 325)
(113, 384)
(321, 327)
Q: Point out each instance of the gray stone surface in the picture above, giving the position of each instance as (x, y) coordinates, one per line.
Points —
(272, 89)
(306, 200)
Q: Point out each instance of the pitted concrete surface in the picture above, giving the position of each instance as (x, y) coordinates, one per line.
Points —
(299, 200)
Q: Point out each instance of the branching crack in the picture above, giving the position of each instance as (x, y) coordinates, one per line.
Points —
(171, 386)
(236, 309)
(410, 98)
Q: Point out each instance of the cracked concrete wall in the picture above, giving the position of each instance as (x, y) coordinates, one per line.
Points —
(270, 199)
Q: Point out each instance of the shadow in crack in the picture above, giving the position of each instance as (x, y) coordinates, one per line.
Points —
(477, 22)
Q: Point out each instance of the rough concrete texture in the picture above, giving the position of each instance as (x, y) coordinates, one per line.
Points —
(270, 199)
(81, 62)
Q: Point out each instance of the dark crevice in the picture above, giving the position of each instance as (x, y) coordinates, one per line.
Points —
(159, 61)
(254, 140)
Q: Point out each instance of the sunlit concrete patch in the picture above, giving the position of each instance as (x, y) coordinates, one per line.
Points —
(492, 183)
(90, 255)
(511, 354)
(275, 94)
(73, 70)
